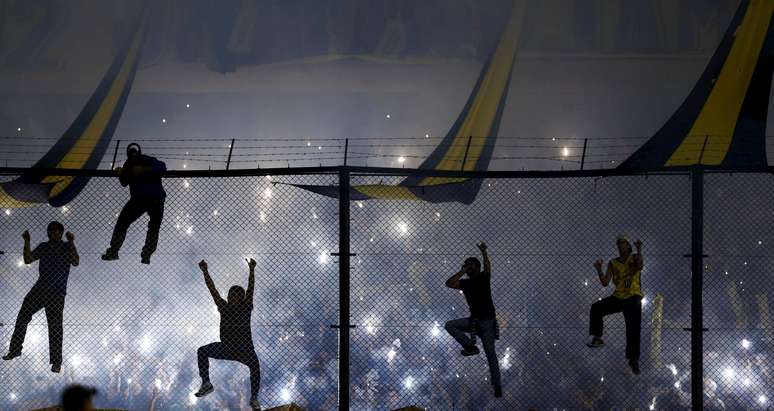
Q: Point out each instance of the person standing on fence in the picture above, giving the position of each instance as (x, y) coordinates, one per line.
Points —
(146, 195)
(627, 298)
(56, 257)
(236, 341)
(483, 319)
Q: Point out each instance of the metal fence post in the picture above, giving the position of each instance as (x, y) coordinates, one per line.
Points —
(230, 150)
(697, 276)
(344, 303)
(115, 154)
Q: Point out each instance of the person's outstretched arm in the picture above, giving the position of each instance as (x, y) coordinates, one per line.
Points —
(604, 278)
(28, 256)
(454, 281)
(250, 281)
(74, 258)
(638, 262)
(485, 257)
(210, 284)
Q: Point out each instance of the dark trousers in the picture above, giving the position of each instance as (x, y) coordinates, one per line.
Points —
(632, 310)
(243, 353)
(485, 329)
(37, 299)
(133, 209)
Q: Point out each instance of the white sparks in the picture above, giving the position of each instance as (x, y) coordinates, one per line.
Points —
(388, 116)
(585, 283)
(408, 382)
(644, 301)
(391, 355)
(359, 204)
(262, 216)
(187, 105)
(7, 211)
(12, 396)
(402, 228)
(760, 242)
(20, 263)
(323, 258)
(505, 363)
(65, 209)
(185, 165)
(145, 344)
(158, 384)
(672, 368)
(602, 379)
(128, 380)
(319, 147)
(267, 193)
(746, 343)
(677, 384)
(436, 330)
(285, 394)
(762, 400)
(370, 325)
(313, 243)
(215, 212)
(189, 230)
(163, 120)
(117, 358)
(729, 373)
(308, 143)
(186, 183)
(427, 135)
(401, 159)
(747, 382)
(76, 360)
(18, 128)
(565, 152)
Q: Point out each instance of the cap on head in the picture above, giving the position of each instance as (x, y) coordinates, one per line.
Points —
(133, 149)
(76, 397)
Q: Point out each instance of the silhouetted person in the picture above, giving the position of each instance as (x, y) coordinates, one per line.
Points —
(483, 319)
(78, 398)
(56, 257)
(236, 340)
(143, 176)
(627, 298)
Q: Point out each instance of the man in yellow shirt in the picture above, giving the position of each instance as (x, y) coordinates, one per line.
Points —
(627, 298)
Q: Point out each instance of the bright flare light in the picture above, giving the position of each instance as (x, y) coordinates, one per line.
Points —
(7, 211)
(672, 368)
(391, 355)
(762, 400)
(729, 373)
(565, 151)
(267, 193)
(746, 343)
(408, 382)
(76, 360)
(436, 330)
(12, 396)
(285, 394)
(145, 344)
(323, 259)
(403, 228)
(401, 159)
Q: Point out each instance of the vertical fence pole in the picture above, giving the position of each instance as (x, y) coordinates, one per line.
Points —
(346, 149)
(583, 155)
(344, 307)
(465, 158)
(230, 150)
(115, 154)
(697, 276)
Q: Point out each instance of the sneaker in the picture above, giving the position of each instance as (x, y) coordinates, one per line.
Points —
(11, 355)
(110, 255)
(145, 259)
(255, 405)
(595, 342)
(56, 368)
(635, 366)
(468, 351)
(498, 391)
(205, 389)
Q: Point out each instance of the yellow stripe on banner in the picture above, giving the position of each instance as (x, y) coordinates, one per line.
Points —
(82, 149)
(6, 201)
(720, 113)
(383, 192)
(483, 110)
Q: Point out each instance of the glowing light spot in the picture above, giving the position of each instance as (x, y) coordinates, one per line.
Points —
(163, 120)
(409, 382)
(20, 263)
(12, 396)
(215, 212)
(145, 344)
(565, 152)
(18, 128)
(644, 301)
(762, 400)
(285, 394)
(186, 183)
(359, 204)
(313, 243)
(157, 383)
(188, 106)
(185, 165)
(388, 116)
(267, 193)
(391, 355)
(403, 228)
(729, 373)
(76, 360)
(746, 343)
(7, 212)
(34, 338)
(323, 258)
(602, 379)
(747, 382)
(401, 159)
(308, 143)
(319, 147)
(436, 330)
(262, 216)
(427, 135)
(65, 209)
(192, 399)
(189, 230)
(117, 359)
(672, 368)
(677, 384)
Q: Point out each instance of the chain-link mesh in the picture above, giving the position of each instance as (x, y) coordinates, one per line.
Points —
(738, 364)
(133, 330)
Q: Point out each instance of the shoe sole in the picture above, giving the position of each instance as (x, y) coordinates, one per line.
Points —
(595, 346)
(204, 393)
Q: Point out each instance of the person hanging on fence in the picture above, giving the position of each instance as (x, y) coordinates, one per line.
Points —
(146, 195)
(625, 271)
(483, 319)
(236, 341)
(56, 257)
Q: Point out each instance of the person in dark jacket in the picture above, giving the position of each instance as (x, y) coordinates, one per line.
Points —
(56, 257)
(143, 176)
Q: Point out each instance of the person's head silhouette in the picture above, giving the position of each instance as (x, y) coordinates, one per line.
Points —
(55, 230)
(236, 295)
(133, 150)
(78, 398)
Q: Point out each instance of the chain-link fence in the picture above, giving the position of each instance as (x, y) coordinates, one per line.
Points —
(132, 330)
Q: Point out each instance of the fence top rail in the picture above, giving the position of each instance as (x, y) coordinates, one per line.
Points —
(384, 171)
